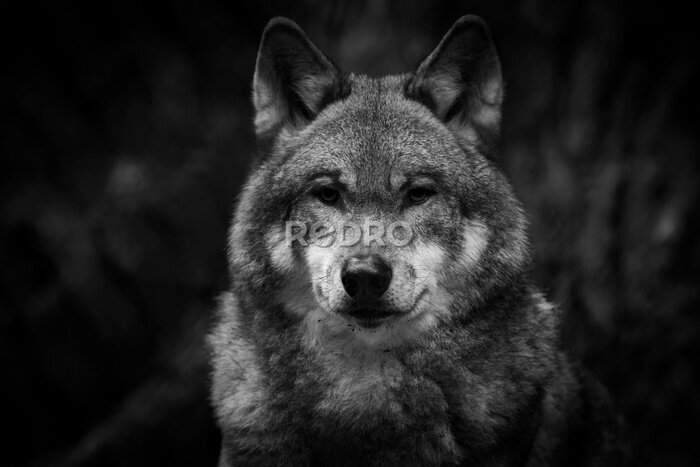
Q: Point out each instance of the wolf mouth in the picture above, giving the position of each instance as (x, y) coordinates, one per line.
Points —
(371, 317)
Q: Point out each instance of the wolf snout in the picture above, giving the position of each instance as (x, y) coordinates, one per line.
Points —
(366, 276)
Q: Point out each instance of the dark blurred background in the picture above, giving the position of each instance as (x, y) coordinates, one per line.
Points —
(127, 134)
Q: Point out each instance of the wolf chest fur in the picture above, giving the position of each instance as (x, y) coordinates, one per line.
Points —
(429, 346)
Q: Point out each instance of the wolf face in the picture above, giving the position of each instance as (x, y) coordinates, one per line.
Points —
(380, 310)
(408, 157)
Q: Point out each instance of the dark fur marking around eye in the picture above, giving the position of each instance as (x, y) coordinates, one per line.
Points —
(328, 195)
(419, 195)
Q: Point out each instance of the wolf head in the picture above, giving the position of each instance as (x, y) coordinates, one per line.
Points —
(375, 211)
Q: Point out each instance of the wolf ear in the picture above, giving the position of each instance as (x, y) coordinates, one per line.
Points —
(461, 82)
(293, 80)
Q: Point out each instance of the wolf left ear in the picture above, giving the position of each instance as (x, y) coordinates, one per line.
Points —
(461, 82)
(293, 80)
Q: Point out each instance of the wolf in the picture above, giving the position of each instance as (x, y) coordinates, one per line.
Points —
(432, 349)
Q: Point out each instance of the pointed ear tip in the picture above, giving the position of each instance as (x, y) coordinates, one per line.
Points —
(472, 22)
(281, 23)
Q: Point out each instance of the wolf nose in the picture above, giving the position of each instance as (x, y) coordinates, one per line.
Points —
(365, 276)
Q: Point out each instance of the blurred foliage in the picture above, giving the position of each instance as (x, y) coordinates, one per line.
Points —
(129, 133)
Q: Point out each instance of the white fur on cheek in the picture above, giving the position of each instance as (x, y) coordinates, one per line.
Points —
(295, 292)
(475, 236)
(427, 261)
(318, 260)
(280, 253)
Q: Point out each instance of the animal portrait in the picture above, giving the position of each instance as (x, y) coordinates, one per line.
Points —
(350, 233)
(431, 347)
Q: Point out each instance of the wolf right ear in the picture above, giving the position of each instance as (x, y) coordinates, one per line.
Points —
(293, 80)
(461, 82)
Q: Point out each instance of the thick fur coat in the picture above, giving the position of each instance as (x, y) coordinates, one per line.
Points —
(449, 355)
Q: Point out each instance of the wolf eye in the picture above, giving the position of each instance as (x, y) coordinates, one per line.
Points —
(328, 195)
(419, 195)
